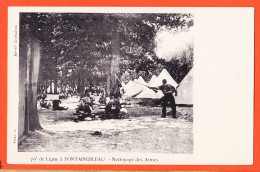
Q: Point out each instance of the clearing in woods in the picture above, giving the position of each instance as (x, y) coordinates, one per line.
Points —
(143, 131)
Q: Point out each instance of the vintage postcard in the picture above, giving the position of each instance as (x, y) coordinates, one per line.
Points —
(130, 85)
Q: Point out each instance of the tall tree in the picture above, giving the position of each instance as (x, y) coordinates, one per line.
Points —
(92, 41)
(30, 53)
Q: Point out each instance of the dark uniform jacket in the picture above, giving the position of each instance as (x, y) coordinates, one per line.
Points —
(167, 89)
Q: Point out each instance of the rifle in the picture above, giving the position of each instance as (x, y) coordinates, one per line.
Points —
(152, 87)
(141, 84)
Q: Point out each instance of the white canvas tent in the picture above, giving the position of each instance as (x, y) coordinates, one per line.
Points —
(157, 81)
(185, 90)
(147, 93)
(128, 85)
(123, 84)
(164, 75)
(136, 88)
(141, 80)
(151, 80)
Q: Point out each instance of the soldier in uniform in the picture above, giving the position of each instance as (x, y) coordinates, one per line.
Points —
(113, 108)
(85, 104)
(167, 90)
(102, 99)
(56, 105)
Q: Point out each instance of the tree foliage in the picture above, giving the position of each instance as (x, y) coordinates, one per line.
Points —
(76, 43)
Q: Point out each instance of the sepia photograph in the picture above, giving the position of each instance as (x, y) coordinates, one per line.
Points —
(130, 86)
(106, 82)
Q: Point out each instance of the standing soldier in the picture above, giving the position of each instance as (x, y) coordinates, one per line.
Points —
(167, 90)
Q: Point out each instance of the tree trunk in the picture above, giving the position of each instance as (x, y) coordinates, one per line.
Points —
(61, 81)
(72, 82)
(79, 83)
(82, 93)
(62, 85)
(108, 86)
(46, 86)
(55, 75)
(51, 87)
(33, 59)
(23, 118)
(114, 69)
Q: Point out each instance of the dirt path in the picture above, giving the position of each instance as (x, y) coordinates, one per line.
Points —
(143, 134)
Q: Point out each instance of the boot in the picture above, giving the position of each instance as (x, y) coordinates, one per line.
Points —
(174, 112)
(174, 115)
(163, 112)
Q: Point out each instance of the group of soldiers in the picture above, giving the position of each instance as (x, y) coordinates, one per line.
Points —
(113, 106)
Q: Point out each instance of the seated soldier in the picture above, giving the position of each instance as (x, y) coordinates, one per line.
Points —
(70, 92)
(61, 95)
(39, 97)
(44, 95)
(56, 105)
(43, 103)
(102, 99)
(113, 107)
(85, 104)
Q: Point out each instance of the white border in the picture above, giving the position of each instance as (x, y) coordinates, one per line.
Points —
(223, 88)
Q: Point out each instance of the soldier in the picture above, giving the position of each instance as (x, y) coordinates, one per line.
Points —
(43, 103)
(56, 105)
(113, 107)
(167, 90)
(85, 104)
(102, 99)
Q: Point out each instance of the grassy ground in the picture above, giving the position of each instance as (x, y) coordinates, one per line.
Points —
(141, 131)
